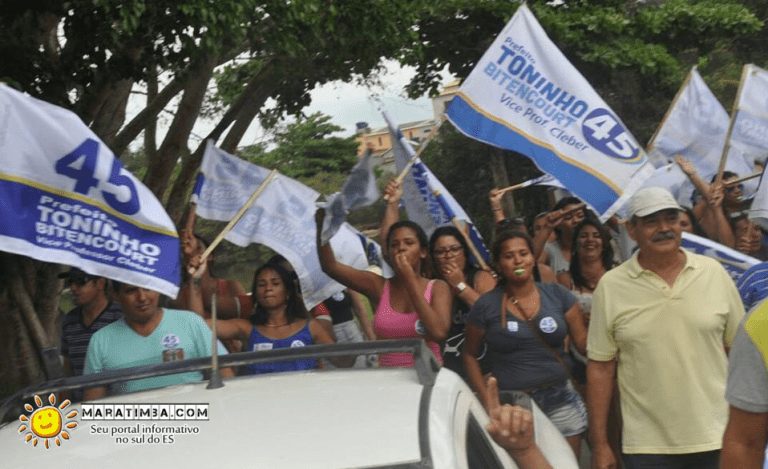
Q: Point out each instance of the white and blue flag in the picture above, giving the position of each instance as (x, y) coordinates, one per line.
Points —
(359, 190)
(695, 127)
(427, 202)
(65, 198)
(524, 95)
(282, 218)
(733, 261)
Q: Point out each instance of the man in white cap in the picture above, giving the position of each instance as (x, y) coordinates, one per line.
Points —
(662, 321)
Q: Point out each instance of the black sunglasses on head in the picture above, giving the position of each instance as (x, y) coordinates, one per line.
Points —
(507, 222)
(79, 280)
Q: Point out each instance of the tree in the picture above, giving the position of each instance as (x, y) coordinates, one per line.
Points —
(305, 148)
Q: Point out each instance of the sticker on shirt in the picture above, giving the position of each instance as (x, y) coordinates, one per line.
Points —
(338, 296)
(171, 341)
(297, 343)
(419, 327)
(173, 354)
(548, 325)
(262, 346)
(512, 326)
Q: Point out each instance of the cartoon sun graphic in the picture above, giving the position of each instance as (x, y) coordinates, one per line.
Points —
(46, 422)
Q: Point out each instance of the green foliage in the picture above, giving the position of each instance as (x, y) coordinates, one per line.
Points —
(305, 149)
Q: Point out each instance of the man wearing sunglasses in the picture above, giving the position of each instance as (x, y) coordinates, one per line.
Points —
(92, 311)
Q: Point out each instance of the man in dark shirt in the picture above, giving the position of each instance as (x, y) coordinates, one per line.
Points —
(93, 311)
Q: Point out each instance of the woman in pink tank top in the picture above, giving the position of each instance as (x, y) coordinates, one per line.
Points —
(409, 304)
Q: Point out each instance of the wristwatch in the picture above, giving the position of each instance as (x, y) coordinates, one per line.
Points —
(461, 287)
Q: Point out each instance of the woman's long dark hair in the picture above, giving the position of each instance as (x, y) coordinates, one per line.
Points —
(606, 256)
(454, 232)
(292, 310)
(506, 235)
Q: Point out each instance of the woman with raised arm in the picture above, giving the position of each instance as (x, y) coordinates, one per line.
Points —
(276, 322)
(524, 324)
(408, 305)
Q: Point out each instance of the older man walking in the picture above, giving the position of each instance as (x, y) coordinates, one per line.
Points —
(662, 321)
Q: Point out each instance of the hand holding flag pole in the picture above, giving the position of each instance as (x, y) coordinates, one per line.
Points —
(733, 182)
(415, 156)
(272, 174)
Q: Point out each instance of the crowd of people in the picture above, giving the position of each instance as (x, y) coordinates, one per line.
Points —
(630, 351)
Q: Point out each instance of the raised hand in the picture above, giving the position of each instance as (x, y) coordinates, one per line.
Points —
(685, 165)
(511, 426)
(394, 191)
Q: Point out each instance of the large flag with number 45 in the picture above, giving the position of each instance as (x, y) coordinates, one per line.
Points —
(524, 95)
(65, 198)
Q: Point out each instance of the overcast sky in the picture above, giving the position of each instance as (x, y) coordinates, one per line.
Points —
(347, 104)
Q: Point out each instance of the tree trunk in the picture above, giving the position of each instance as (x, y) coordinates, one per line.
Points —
(174, 145)
(110, 115)
(253, 97)
(149, 114)
(501, 180)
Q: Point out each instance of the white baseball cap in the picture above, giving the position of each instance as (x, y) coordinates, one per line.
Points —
(650, 200)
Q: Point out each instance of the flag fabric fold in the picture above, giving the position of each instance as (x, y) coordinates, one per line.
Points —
(427, 202)
(282, 218)
(359, 190)
(524, 95)
(65, 198)
(695, 128)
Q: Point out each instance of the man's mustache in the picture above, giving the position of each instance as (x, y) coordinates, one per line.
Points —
(663, 236)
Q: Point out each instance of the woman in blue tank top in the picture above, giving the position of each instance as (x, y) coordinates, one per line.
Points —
(276, 322)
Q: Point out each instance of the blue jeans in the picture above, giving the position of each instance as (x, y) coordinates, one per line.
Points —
(706, 460)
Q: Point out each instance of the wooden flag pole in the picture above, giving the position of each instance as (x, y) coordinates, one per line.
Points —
(514, 188)
(272, 174)
(457, 223)
(418, 152)
(733, 182)
(734, 113)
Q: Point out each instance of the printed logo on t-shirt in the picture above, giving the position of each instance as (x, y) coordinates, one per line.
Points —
(262, 346)
(419, 327)
(548, 325)
(512, 326)
(297, 343)
(338, 296)
(171, 341)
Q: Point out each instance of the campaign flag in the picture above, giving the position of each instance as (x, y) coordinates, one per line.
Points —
(750, 128)
(359, 190)
(427, 202)
(282, 218)
(695, 127)
(65, 198)
(524, 95)
(545, 180)
(734, 262)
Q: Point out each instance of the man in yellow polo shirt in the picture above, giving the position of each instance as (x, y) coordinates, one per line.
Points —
(662, 322)
(747, 392)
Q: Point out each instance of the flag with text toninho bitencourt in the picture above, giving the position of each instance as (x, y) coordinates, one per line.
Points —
(65, 198)
(524, 95)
